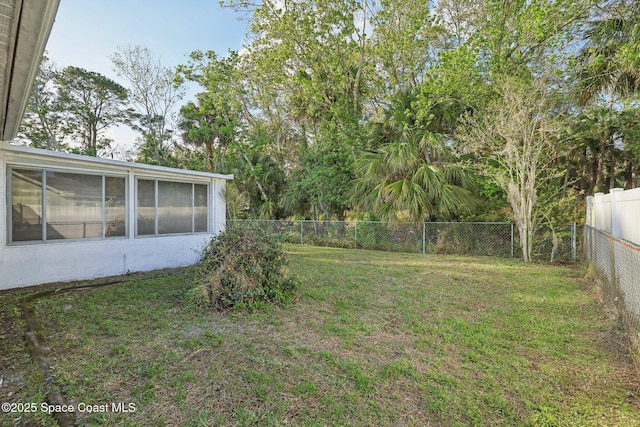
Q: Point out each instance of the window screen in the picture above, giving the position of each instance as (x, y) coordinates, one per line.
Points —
(115, 211)
(175, 211)
(26, 205)
(146, 207)
(65, 205)
(74, 206)
(200, 206)
(169, 207)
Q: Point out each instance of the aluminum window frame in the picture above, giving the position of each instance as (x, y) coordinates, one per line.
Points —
(43, 203)
(156, 180)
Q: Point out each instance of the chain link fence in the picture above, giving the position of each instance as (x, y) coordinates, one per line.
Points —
(455, 238)
(558, 244)
(617, 265)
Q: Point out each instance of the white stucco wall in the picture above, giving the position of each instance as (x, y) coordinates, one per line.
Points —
(26, 264)
(35, 264)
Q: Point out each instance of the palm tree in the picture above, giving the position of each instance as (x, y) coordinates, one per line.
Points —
(610, 62)
(411, 170)
(609, 81)
(599, 126)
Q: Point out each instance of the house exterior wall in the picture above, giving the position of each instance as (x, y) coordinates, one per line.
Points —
(36, 263)
(53, 262)
(616, 213)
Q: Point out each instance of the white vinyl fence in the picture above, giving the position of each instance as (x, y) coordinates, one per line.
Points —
(616, 213)
(612, 248)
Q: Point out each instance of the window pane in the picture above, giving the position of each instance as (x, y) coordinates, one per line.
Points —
(200, 205)
(74, 206)
(26, 205)
(115, 213)
(175, 213)
(146, 207)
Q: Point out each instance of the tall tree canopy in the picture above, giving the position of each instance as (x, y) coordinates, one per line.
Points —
(214, 120)
(344, 108)
(94, 102)
(154, 94)
(44, 124)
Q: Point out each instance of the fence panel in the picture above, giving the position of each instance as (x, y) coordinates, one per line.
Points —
(617, 264)
(469, 238)
(627, 212)
(400, 237)
(290, 231)
(557, 244)
(616, 213)
(329, 233)
(453, 238)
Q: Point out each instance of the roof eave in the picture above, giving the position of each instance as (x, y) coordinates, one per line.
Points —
(30, 29)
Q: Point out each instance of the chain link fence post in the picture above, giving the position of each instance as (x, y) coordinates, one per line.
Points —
(355, 232)
(512, 241)
(574, 249)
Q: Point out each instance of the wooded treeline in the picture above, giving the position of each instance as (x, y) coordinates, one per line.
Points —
(393, 109)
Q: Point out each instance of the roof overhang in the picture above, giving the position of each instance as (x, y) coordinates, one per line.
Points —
(18, 154)
(25, 26)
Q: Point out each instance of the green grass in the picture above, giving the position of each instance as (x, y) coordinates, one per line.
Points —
(372, 338)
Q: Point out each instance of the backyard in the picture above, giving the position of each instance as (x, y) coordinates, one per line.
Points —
(372, 338)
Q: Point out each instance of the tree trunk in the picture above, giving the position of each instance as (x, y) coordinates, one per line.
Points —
(522, 198)
(612, 167)
(556, 244)
(600, 167)
(628, 174)
(209, 148)
(262, 192)
(94, 141)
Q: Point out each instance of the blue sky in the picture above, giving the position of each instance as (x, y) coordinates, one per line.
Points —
(86, 32)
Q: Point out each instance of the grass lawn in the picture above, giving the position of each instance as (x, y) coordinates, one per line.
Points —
(373, 338)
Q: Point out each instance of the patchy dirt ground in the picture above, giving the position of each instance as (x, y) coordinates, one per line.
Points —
(19, 377)
(21, 380)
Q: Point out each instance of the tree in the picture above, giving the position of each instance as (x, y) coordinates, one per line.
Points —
(608, 141)
(154, 94)
(260, 179)
(317, 77)
(524, 38)
(610, 59)
(315, 56)
(94, 102)
(518, 131)
(219, 123)
(199, 129)
(460, 19)
(310, 61)
(320, 187)
(44, 124)
(608, 83)
(411, 171)
(405, 41)
(213, 122)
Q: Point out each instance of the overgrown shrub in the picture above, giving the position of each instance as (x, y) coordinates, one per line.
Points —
(243, 267)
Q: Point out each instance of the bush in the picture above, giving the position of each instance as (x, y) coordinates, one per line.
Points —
(243, 267)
